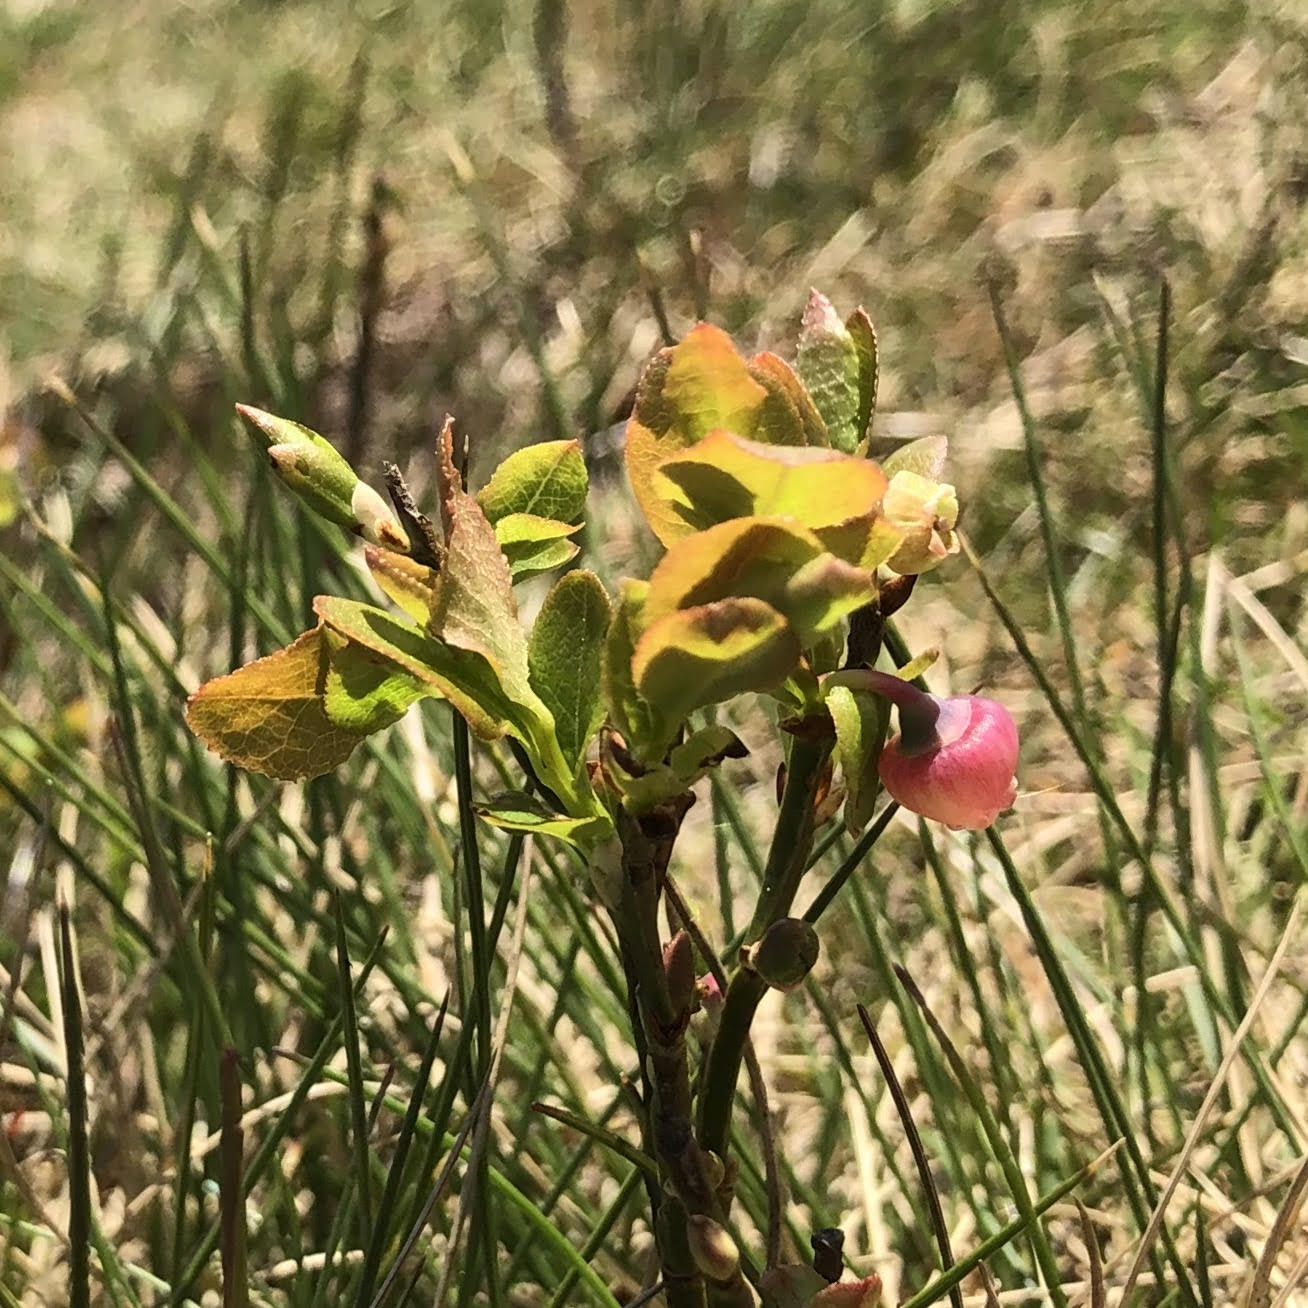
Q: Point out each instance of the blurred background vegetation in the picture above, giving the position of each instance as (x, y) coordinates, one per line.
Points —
(364, 215)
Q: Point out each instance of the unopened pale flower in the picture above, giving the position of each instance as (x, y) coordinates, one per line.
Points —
(926, 513)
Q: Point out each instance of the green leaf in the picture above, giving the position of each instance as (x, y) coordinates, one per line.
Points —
(861, 720)
(725, 476)
(639, 722)
(532, 544)
(409, 585)
(564, 655)
(474, 612)
(705, 749)
(772, 559)
(466, 678)
(864, 335)
(364, 691)
(546, 480)
(711, 653)
(272, 717)
(686, 764)
(695, 387)
(519, 812)
(788, 415)
(829, 364)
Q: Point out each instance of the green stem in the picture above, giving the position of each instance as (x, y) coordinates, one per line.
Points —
(787, 862)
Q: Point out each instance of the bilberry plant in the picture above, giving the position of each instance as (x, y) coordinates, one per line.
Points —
(786, 549)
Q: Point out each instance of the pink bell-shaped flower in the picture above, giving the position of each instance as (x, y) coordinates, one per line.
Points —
(954, 759)
(863, 1293)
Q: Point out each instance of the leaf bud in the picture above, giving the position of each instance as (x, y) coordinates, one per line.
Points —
(679, 969)
(786, 953)
(320, 475)
(715, 1170)
(711, 1246)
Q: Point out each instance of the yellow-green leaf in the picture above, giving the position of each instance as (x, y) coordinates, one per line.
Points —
(473, 606)
(271, 715)
(687, 391)
(925, 456)
(829, 364)
(864, 335)
(711, 653)
(409, 585)
(364, 691)
(518, 812)
(467, 679)
(772, 559)
(564, 655)
(533, 544)
(686, 764)
(546, 480)
(725, 476)
(788, 416)
(640, 723)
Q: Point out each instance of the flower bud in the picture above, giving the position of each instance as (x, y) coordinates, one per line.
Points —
(786, 953)
(925, 512)
(955, 758)
(711, 1246)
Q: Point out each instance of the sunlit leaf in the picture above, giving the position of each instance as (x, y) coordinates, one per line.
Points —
(687, 391)
(533, 544)
(364, 691)
(473, 606)
(864, 335)
(564, 656)
(772, 559)
(788, 415)
(828, 362)
(467, 679)
(686, 764)
(708, 654)
(641, 724)
(725, 476)
(409, 585)
(518, 812)
(546, 480)
(272, 715)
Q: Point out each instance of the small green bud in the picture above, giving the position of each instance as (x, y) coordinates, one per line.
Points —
(786, 953)
(711, 1246)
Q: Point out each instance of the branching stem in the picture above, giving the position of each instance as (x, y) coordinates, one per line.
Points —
(792, 842)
